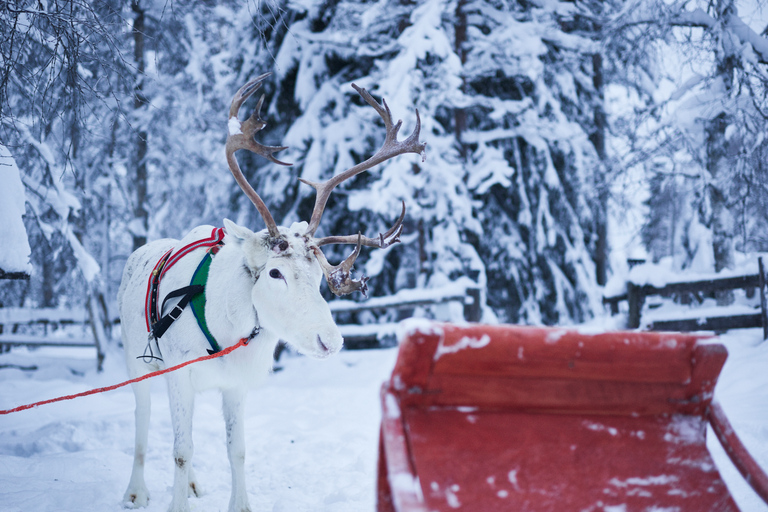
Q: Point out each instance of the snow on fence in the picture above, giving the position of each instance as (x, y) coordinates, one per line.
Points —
(50, 319)
(705, 319)
(464, 294)
(13, 275)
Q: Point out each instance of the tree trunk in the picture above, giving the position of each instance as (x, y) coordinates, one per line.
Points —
(99, 321)
(719, 220)
(140, 212)
(460, 114)
(600, 209)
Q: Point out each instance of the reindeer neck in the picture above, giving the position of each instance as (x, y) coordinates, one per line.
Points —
(229, 310)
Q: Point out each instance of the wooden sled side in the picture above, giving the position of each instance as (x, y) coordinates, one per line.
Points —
(486, 418)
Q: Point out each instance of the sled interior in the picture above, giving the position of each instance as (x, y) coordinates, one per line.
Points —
(485, 418)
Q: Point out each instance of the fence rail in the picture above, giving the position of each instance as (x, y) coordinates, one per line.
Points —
(10, 318)
(355, 335)
(43, 316)
(14, 275)
(636, 295)
(36, 340)
(369, 335)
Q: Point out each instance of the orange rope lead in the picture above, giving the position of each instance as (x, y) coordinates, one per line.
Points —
(225, 351)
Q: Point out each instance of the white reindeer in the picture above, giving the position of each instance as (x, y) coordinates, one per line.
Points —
(263, 286)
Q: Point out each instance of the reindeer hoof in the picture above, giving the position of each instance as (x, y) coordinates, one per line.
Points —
(194, 487)
(194, 490)
(136, 498)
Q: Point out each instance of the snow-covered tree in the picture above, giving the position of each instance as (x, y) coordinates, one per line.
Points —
(120, 136)
(709, 131)
(54, 56)
(531, 100)
(504, 195)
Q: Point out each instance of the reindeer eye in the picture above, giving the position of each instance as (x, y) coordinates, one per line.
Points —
(275, 274)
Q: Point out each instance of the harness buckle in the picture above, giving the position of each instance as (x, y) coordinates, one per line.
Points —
(149, 352)
(175, 313)
(255, 332)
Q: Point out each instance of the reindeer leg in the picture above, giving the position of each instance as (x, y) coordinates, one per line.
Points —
(182, 402)
(233, 405)
(194, 487)
(137, 494)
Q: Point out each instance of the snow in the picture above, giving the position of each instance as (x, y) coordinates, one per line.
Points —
(463, 344)
(312, 432)
(406, 482)
(312, 436)
(15, 254)
(233, 126)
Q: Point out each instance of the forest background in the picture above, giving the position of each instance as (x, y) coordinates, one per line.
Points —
(563, 137)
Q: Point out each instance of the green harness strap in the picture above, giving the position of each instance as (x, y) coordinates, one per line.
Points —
(200, 277)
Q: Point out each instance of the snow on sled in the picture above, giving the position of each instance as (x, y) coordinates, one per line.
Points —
(497, 418)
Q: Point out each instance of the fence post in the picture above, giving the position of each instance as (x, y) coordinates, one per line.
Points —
(472, 311)
(98, 330)
(636, 299)
(763, 308)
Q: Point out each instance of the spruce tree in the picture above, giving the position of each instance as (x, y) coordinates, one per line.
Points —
(503, 197)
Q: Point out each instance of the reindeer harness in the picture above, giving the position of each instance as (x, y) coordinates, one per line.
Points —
(193, 295)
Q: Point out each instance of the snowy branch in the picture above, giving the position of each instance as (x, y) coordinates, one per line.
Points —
(732, 24)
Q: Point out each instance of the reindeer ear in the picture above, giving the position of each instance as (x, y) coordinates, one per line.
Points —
(239, 232)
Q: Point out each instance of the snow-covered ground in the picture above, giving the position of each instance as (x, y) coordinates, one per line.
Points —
(312, 433)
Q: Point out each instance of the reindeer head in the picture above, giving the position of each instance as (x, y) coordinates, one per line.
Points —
(288, 263)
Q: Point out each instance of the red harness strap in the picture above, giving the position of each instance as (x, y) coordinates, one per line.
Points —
(151, 306)
(150, 301)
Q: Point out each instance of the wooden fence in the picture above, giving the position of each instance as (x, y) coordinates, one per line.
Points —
(371, 335)
(636, 295)
(355, 336)
(14, 275)
(50, 319)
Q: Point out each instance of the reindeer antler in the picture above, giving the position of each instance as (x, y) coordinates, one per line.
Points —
(384, 240)
(240, 136)
(390, 149)
(338, 277)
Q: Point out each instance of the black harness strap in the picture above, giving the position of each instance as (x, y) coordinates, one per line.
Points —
(186, 293)
(154, 284)
(190, 295)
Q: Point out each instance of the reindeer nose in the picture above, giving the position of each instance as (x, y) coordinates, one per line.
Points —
(323, 347)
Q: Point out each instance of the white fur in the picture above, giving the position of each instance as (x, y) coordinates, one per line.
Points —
(240, 295)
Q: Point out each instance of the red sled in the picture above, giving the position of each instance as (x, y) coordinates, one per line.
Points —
(506, 418)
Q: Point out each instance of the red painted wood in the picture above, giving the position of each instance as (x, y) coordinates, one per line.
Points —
(401, 479)
(383, 490)
(516, 418)
(487, 461)
(708, 359)
(747, 466)
(556, 369)
(414, 362)
(560, 353)
(562, 395)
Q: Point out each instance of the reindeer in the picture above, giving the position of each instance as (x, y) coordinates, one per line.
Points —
(261, 286)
